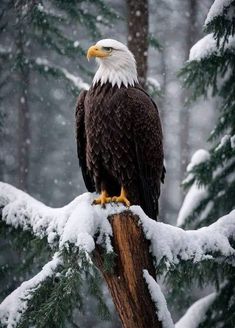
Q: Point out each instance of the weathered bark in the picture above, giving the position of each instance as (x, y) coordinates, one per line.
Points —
(126, 284)
(138, 27)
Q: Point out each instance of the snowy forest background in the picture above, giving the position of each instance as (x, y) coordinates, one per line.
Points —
(52, 167)
(37, 123)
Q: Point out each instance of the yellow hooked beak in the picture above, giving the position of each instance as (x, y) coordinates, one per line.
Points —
(96, 51)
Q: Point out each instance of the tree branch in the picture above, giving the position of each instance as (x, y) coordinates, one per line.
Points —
(83, 228)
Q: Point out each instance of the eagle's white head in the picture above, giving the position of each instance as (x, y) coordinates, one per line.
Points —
(116, 63)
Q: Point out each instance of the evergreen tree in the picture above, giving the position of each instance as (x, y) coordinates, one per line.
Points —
(211, 69)
(210, 175)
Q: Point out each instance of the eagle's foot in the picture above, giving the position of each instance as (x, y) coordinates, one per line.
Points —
(102, 199)
(122, 198)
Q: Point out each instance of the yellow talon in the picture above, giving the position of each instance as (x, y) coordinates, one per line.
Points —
(122, 198)
(102, 199)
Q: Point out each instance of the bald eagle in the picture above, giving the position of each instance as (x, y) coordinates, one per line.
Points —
(119, 134)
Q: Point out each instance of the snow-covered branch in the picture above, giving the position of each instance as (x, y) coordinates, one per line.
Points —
(208, 46)
(76, 81)
(196, 313)
(83, 225)
(12, 308)
(159, 301)
(217, 9)
(79, 222)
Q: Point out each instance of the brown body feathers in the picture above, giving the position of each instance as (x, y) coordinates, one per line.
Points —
(119, 143)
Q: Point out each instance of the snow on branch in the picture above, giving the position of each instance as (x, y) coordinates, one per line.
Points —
(14, 305)
(196, 313)
(196, 193)
(77, 82)
(207, 46)
(79, 223)
(217, 9)
(172, 244)
(76, 223)
(159, 301)
(5, 51)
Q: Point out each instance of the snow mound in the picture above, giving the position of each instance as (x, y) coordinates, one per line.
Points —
(193, 198)
(203, 48)
(173, 244)
(76, 223)
(195, 314)
(217, 9)
(225, 139)
(200, 156)
(196, 193)
(159, 301)
(208, 46)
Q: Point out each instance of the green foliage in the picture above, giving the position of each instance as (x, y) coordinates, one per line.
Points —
(153, 42)
(43, 28)
(222, 26)
(27, 254)
(53, 302)
(216, 74)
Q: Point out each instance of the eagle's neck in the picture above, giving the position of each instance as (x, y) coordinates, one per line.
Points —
(117, 72)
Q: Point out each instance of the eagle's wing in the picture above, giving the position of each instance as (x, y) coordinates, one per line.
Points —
(136, 143)
(147, 133)
(81, 142)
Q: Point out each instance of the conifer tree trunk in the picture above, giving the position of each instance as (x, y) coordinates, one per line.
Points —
(126, 284)
(138, 27)
(190, 39)
(23, 133)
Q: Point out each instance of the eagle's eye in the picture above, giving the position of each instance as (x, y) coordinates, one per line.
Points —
(108, 49)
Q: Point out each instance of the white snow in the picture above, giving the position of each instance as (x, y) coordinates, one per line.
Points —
(203, 48)
(4, 50)
(232, 140)
(192, 199)
(75, 223)
(196, 193)
(173, 244)
(42, 61)
(217, 9)
(15, 304)
(154, 83)
(76, 80)
(40, 7)
(223, 141)
(196, 313)
(76, 44)
(207, 46)
(158, 298)
(200, 156)
(79, 222)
